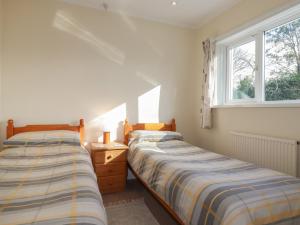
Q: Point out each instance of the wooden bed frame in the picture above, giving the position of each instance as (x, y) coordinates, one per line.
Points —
(11, 130)
(158, 127)
(147, 126)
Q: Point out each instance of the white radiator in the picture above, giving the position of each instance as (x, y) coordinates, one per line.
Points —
(274, 153)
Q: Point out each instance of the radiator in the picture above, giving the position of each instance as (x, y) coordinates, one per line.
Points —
(274, 153)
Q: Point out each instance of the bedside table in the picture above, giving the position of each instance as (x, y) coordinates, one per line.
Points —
(110, 165)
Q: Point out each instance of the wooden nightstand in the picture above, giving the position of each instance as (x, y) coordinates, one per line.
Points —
(110, 165)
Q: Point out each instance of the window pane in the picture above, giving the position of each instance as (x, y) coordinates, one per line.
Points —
(243, 71)
(282, 62)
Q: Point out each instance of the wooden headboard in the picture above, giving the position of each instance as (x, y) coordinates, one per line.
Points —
(146, 126)
(12, 130)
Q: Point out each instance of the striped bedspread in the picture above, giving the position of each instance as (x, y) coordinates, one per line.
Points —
(49, 185)
(205, 188)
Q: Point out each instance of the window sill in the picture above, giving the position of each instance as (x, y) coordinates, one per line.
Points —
(256, 105)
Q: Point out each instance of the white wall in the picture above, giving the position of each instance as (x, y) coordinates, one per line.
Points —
(278, 122)
(1, 56)
(63, 62)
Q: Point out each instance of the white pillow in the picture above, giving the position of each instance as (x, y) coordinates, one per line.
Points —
(154, 136)
(40, 138)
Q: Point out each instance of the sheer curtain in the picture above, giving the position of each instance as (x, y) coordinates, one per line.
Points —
(208, 83)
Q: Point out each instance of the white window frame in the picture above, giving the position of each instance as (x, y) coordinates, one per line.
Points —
(256, 33)
(229, 97)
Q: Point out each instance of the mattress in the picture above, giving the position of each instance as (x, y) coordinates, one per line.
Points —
(205, 188)
(52, 184)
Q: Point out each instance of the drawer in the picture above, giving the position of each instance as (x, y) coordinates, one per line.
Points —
(110, 156)
(112, 184)
(111, 169)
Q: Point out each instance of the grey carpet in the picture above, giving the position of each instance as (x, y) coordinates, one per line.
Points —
(134, 212)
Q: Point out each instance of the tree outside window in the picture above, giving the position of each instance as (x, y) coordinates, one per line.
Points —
(282, 65)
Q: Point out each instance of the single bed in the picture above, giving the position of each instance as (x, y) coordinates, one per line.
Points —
(46, 177)
(199, 187)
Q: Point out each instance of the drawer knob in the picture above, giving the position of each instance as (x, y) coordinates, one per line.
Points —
(109, 157)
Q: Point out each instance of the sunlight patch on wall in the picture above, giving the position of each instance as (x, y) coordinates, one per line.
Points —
(148, 106)
(147, 78)
(66, 23)
(110, 121)
(126, 19)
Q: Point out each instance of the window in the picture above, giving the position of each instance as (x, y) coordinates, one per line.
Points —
(261, 64)
(282, 62)
(242, 71)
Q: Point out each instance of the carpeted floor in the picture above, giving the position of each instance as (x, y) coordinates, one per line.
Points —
(133, 212)
(134, 190)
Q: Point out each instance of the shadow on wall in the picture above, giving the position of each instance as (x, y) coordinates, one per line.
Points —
(148, 103)
(103, 68)
(68, 24)
(148, 112)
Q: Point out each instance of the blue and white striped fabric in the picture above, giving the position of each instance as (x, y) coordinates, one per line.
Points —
(205, 188)
(42, 138)
(154, 136)
(51, 184)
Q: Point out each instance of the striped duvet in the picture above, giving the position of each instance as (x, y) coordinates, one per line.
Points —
(205, 188)
(49, 185)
